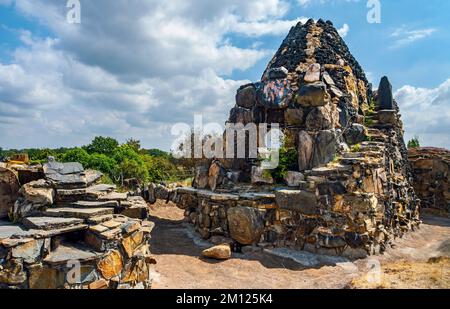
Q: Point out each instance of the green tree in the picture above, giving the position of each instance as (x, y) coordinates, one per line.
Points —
(102, 145)
(414, 143)
(129, 164)
(102, 163)
(134, 143)
(77, 155)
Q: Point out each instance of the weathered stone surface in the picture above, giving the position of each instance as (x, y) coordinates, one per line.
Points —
(385, 97)
(95, 204)
(305, 150)
(314, 95)
(81, 213)
(431, 171)
(294, 179)
(297, 200)
(261, 176)
(38, 192)
(277, 73)
(220, 252)
(274, 94)
(12, 273)
(70, 252)
(9, 190)
(28, 252)
(387, 117)
(101, 284)
(132, 242)
(313, 73)
(325, 147)
(246, 96)
(322, 118)
(327, 79)
(245, 224)
(111, 265)
(46, 278)
(355, 134)
(294, 117)
(216, 175)
(50, 223)
(201, 177)
(114, 196)
(241, 115)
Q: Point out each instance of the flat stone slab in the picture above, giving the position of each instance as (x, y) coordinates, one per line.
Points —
(256, 196)
(7, 229)
(114, 196)
(187, 190)
(65, 253)
(92, 204)
(297, 200)
(81, 213)
(101, 188)
(218, 196)
(50, 223)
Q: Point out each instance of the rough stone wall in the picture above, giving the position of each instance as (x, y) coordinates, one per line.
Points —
(431, 170)
(71, 232)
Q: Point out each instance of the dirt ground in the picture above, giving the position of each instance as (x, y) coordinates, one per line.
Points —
(177, 250)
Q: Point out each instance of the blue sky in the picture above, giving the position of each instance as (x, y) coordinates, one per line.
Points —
(134, 68)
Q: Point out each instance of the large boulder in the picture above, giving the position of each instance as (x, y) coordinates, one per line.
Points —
(201, 177)
(9, 190)
(313, 73)
(274, 94)
(216, 175)
(355, 134)
(220, 252)
(245, 224)
(305, 150)
(294, 179)
(294, 117)
(246, 96)
(240, 115)
(261, 176)
(40, 193)
(314, 94)
(325, 147)
(322, 118)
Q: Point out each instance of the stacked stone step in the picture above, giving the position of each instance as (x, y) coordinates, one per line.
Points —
(74, 233)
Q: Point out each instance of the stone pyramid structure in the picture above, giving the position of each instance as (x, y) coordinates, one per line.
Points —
(348, 189)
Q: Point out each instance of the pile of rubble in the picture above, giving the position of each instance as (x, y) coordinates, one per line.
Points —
(68, 231)
(350, 191)
(431, 168)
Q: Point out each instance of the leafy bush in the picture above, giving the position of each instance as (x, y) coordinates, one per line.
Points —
(288, 161)
(102, 145)
(414, 143)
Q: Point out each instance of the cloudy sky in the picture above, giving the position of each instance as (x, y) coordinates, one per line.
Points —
(133, 68)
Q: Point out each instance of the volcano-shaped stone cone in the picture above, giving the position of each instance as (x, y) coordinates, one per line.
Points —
(342, 182)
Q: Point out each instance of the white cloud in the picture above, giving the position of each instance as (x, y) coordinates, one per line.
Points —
(426, 113)
(344, 30)
(131, 68)
(404, 36)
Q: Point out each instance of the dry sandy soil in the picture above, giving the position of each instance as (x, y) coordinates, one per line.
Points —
(177, 250)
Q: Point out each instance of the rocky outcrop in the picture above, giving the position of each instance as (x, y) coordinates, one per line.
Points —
(9, 190)
(431, 170)
(72, 232)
